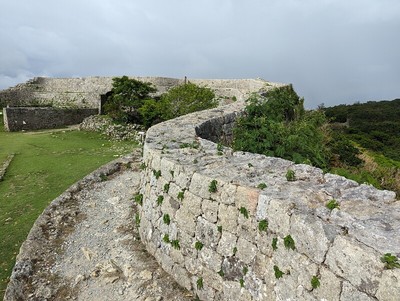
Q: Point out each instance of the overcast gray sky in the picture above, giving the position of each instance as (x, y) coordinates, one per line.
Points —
(338, 51)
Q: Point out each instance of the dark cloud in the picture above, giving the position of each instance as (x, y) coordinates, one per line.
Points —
(332, 51)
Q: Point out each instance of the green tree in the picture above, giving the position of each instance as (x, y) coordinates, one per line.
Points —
(127, 97)
(185, 99)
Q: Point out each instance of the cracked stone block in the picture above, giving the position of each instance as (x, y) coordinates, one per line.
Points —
(182, 277)
(330, 286)
(389, 288)
(205, 292)
(200, 185)
(246, 251)
(210, 210)
(211, 259)
(356, 263)
(227, 218)
(213, 279)
(349, 292)
(309, 235)
(192, 203)
(279, 210)
(186, 221)
(166, 166)
(248, 198)
(226, 244)
(207, 233)
(227, 193)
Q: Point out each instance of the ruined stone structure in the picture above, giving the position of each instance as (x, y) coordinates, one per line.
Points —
(218, 233)
(90, 92)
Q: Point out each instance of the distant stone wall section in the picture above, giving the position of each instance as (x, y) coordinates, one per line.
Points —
(213, 241)
(86, 92)
(35, 118)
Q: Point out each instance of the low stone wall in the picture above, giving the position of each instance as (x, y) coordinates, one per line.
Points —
(35, 118)
(214, 228)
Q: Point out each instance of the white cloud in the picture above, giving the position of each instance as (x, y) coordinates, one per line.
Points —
(332, 51)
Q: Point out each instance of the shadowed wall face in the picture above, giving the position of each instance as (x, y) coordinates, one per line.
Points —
(25, 118)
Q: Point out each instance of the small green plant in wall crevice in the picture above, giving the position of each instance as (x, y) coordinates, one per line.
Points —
(278, 272)
(157, 173)
(139, 199)
(275, 243)
(262, 186)
(103, 177)
(180, 195)
(390, 261)
(315, 282)
(213, 186)
(241, 281)
(166, 188)
(166, 219)
(244, 211)
(166, 239)
(289, 242)
(263, 225)
(290, 175)
(332, 204)
(160, 199)
(137, 219)
(199, 283)
(234, 251)
(175, 244)
(198, 245)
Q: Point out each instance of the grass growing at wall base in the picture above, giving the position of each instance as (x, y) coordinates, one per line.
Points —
(45, 165)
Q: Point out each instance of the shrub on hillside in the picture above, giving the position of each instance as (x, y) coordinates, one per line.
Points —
(277, 125)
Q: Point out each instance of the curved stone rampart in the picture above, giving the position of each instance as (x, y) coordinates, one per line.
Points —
(208, 224)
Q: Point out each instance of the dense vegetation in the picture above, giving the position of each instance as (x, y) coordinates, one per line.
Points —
(374, 128)
(373, 125)
(131, 101)
(46, 163)
(365, 149)
(277, 125)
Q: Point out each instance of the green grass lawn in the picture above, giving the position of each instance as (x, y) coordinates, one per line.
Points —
(45, 165)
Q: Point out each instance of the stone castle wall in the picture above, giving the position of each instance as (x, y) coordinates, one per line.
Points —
(203, 217)
(32, 118)
(86, 92)
(71, 94)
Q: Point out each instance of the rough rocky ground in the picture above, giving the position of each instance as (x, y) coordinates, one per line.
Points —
(92, 250)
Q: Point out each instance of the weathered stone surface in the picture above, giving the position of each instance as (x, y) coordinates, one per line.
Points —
(207, 233)
(309, 234)
(355, 262)
(210, 259)
(349, 292)
(246, 251)
(210, 210)
(186, 221)
(389, 287)
(227, 218)
(226, 244)
(330, 286)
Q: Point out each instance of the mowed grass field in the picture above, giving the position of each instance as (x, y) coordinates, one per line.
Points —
(46, 163)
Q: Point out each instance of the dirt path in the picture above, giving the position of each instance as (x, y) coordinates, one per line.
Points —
(99, 255)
